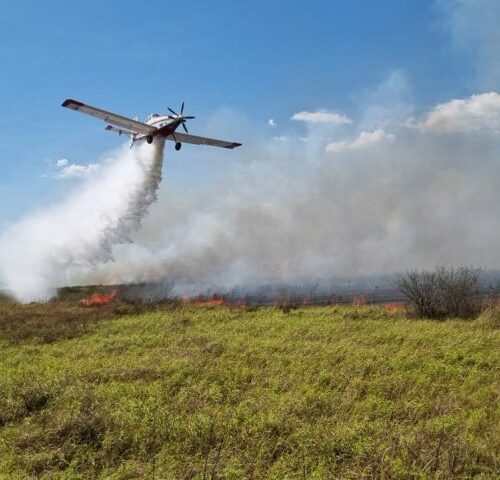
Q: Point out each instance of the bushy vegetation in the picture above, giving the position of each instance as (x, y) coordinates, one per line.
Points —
(262, 393)
(444, 292)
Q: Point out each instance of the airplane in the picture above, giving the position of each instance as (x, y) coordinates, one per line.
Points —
(155, 125)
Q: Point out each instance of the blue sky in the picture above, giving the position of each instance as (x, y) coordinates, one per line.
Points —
(257, 60)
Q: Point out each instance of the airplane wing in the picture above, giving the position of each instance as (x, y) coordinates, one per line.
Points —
(120, 131)
(110, 117)
(186, 138)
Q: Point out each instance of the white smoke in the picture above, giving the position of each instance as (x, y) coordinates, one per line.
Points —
(47, 248)
(395, 197)
(296, 211)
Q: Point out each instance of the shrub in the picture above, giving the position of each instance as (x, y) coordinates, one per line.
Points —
(444, 292)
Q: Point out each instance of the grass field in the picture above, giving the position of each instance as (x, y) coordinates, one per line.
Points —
(178, 392)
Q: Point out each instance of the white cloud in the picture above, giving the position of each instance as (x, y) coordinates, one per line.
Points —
(72, 170)
(271, 122)
(364, 139)
(62, 162)
(474, 114)
(322, 116)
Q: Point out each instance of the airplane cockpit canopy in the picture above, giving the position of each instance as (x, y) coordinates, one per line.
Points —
(151, 116)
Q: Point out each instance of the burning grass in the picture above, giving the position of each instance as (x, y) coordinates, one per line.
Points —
(76, 311)
(99, 299)
(210, 391)
(213, 301)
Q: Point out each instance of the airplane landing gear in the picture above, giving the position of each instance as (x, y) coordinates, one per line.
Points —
(178, 145)
(149, 139)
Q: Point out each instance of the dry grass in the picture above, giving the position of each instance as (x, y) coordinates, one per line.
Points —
(46, 323)
(65, 317)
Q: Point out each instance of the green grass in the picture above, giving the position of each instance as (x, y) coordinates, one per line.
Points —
(316, 393)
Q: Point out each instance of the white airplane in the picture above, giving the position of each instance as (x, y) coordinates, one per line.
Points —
(155, 125)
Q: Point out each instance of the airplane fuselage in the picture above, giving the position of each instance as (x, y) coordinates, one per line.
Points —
(166, 126)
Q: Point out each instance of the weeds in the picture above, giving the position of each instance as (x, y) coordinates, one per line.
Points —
(24, 399)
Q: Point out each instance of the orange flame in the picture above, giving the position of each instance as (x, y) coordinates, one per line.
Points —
(98, 299)
(213, 301)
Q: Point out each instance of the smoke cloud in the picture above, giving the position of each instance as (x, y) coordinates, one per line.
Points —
(301, 211)
(329, 202)
(50, 246)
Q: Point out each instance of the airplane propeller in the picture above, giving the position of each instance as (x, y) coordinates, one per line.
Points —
(180, 117)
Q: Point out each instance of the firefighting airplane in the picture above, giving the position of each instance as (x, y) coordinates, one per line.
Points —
(155, 125)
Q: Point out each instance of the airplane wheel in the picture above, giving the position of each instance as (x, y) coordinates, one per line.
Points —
(149, 139)
(178, 146)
